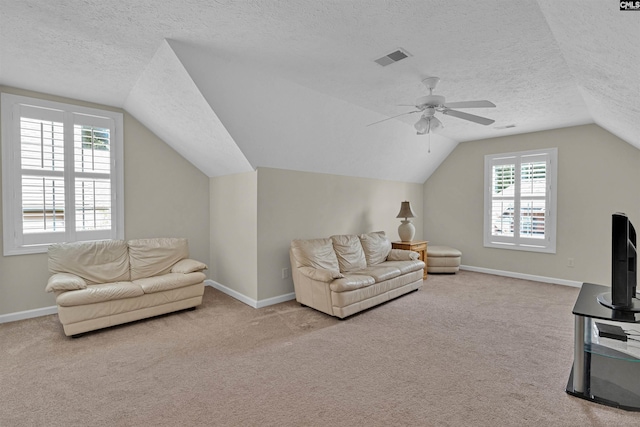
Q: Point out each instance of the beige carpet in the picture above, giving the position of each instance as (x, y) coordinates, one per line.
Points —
(466, 350)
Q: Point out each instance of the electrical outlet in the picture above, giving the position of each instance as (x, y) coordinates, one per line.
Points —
(285, 273)
(570, 263)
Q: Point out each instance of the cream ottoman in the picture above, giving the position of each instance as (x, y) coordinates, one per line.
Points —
(443, 259)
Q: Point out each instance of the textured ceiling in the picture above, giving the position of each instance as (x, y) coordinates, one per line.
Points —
(236, 85)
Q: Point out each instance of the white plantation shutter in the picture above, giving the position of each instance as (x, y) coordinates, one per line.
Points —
(520, 200)
(62, 174)
(92, 175)
(41, 173)
(533, 196)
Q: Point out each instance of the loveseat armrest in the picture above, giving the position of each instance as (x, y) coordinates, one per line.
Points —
(320, 274)
(402, 255)
(188, 265)
(65, 282)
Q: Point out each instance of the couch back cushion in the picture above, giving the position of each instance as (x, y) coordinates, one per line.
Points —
(349, 252)
(101, 261)
(316, 253)
(155, 257)
(376, 247)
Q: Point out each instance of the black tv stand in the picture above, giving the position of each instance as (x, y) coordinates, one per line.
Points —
(606, 300)
(605, 368)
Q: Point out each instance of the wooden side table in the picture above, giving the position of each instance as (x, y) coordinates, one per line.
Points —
(419, 246)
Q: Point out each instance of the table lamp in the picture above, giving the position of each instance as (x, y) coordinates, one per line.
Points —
(406, 230)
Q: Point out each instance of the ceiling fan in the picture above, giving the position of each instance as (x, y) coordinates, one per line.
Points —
(430, 104)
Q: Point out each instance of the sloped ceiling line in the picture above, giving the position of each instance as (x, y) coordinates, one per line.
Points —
(166, 100)
(280, 124)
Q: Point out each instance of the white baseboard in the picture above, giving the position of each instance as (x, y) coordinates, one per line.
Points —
(45, 311)
(28, 314)
(535, 278)
(250, 301)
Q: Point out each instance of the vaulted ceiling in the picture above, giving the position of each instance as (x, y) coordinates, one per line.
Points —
(236, 85)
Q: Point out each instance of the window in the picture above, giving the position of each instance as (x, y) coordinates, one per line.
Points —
(520, 200)
(62, 174)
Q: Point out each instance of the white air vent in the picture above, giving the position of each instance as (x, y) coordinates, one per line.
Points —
(393, 57)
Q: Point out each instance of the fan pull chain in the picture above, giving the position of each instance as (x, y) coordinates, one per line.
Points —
(429, 151)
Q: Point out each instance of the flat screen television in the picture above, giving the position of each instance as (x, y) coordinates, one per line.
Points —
(623, 266)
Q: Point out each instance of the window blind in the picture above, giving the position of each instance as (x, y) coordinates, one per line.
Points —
(520, 200)
(62, 174)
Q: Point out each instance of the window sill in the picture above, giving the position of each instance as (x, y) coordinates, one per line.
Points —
(521, 247)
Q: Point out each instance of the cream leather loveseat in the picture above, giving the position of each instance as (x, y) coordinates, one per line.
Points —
(109, 282)
(345, 274)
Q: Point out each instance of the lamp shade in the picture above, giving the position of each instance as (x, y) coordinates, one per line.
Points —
(405, 211)
(435, 124)
(427, 124)
(422, 126)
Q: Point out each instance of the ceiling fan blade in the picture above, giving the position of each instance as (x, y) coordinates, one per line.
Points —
(467, 116)
(393, 117)
(470, 104)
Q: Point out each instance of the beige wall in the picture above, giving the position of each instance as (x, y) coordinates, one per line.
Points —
(164, 196)
(242, 224)
(302, 205)
(254, 217)
(598, 174)
(233, 239)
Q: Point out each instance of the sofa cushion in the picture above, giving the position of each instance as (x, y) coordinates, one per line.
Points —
(405, 266)
(351, 282)
(187, 265)
(376, 247)
(99, 293)
(65, 282)
(380, 272)
(155, 257)
(349, 252)
(100, 261)
(316, 253)
(169, 281)
(377, 293)
(402, 255)
(131, 309)
(320, 274)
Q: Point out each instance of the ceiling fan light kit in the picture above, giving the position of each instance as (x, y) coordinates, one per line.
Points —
(430, 104)
(427, 124)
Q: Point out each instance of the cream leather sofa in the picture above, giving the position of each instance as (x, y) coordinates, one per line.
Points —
(104, 283)
(345, 274)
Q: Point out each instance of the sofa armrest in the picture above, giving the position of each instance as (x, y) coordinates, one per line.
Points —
(65, 282)
(320, 274)
(402, 255)
(187, 265)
